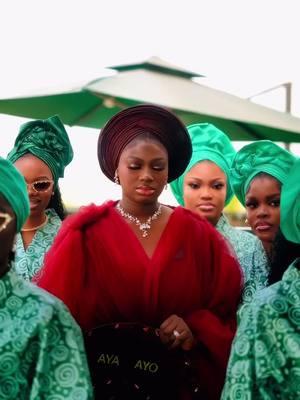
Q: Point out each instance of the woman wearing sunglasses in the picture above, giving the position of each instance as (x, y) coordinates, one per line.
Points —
(136, 260)
(41, 152)
(41, 349)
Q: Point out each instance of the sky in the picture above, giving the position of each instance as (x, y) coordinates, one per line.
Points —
(241, 46)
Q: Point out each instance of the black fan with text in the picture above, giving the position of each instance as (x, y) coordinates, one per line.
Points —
(128, 361)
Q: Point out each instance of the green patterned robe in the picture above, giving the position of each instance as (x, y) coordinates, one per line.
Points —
(41, 348)
(251, 256)
(265, 356)
(28, 262)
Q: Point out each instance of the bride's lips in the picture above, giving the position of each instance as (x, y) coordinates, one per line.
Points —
(145, 190)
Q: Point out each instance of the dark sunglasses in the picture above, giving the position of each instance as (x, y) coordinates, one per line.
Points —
(40, 186)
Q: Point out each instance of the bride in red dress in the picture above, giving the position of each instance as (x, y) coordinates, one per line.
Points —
(136, 260)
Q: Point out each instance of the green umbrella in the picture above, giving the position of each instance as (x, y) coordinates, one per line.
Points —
(158, 82)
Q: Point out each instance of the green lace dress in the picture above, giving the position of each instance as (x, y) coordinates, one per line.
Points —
(28, 262)
(41, 347)
(251, 256)
(265, 356)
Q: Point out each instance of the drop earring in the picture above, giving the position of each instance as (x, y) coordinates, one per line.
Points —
(116, 178)
(14, 247)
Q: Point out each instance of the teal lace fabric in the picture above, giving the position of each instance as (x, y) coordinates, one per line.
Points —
(41, 347)
(265, 356)
(28, 262)
(251, 256)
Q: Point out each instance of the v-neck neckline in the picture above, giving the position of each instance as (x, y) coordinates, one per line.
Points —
(135, 237)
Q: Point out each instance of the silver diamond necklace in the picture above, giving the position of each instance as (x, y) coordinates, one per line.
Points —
(143, 226)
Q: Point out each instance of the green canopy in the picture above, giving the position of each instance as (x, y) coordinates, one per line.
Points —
(158, 82)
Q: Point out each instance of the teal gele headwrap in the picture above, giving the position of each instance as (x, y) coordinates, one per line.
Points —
(46, 139)
(290, 205)
(208, 143)
(261, 156)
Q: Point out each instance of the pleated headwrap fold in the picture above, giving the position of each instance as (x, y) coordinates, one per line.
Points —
(290, 205)
(260, 156)
(134, 121)
(208, 143)
(46, 139)
(13, 188)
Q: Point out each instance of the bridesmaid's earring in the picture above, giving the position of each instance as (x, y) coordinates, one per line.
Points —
(14, 247)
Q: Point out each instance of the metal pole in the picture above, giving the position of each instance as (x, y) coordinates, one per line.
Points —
(288, 100)
(288, 105)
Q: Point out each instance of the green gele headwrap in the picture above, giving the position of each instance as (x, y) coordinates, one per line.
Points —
(46, 139)
(13, 188)
(208, 143)
(290, 205)
(260, 156)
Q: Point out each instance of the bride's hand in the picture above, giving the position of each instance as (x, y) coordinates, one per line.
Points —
(175, 332)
